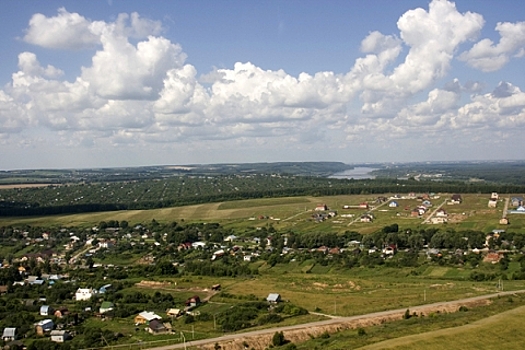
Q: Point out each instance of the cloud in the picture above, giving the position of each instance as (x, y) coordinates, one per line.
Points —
(432, 36)
(503, 109)
(488, 57)
(138, 90)
(110, 74)
(71, 31)
(12, 116)
(64, 31)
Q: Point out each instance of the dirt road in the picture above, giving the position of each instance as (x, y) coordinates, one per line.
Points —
(261, 338)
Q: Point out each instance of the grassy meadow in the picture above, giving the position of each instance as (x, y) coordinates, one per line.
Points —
(295, 213)
(496, 326)
(506, 327)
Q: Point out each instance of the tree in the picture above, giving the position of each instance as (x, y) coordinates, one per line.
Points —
(415, 241)
(278, 339)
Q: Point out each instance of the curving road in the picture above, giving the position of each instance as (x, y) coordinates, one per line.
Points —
(333, 321)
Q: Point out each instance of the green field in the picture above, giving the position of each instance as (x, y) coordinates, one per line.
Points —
(294, 213)
(497, 326)
(504, 330)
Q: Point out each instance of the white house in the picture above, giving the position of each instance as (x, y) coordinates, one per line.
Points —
(441, 213)
(393, 204)
(197, 245)
(84, 294)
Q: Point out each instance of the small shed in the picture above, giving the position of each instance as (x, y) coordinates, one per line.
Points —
(193, 301)
(173, 312)
(59, 336)
(9, 334)
(273, 298)
(46, 310)
(106, 306)
(156, 327)
(44, 326)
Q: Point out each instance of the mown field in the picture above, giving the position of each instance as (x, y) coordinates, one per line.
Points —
(295, 213)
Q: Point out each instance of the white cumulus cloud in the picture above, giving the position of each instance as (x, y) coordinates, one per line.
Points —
(138, 91)
(488, 57)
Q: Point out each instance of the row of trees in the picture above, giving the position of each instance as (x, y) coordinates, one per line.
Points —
(150, 194)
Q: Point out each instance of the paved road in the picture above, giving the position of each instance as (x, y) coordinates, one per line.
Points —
(339, 320)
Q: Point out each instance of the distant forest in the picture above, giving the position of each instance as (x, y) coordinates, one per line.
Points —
(509, 172)
(68, 176)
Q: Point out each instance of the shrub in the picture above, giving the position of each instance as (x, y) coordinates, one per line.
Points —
(269, 318)
(324, 335)
(407, 315)
(278, 339)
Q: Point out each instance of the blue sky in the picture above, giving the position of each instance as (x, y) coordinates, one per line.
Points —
(127, 83)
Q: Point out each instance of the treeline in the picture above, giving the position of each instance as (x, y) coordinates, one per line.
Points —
(188, 191)
(495, 172)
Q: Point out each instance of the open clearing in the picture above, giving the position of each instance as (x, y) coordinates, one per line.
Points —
(7, 187)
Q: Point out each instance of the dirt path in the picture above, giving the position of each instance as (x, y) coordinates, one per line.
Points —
(448, 332)
(427, 220)
(505, 208)
(358, 217)
(261, 338)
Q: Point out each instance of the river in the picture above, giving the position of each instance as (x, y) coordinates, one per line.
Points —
(355, 173)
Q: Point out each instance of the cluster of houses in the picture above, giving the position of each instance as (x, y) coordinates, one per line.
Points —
(518, 204)
(154, 323)
(46, 326)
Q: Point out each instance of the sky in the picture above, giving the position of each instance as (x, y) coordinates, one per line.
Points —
(88, 84)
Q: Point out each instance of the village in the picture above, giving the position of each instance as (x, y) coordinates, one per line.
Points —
(51, 283)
